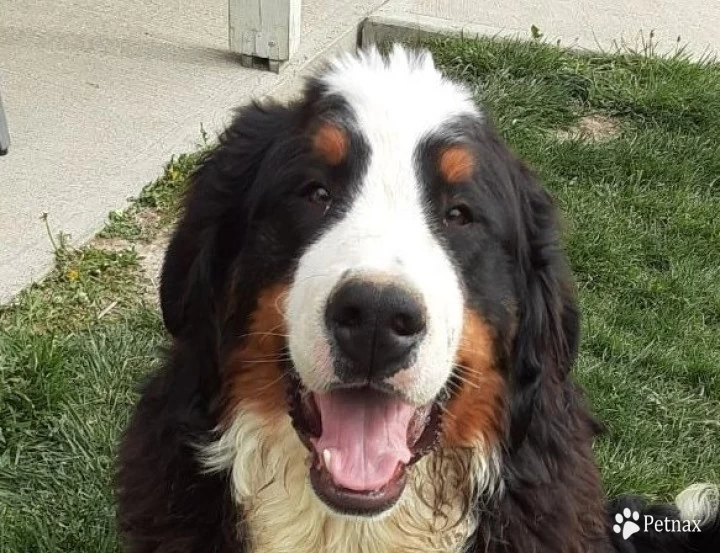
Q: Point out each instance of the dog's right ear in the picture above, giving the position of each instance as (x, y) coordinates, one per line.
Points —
(199, 256)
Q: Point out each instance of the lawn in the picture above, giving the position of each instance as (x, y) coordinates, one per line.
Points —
(628, 146)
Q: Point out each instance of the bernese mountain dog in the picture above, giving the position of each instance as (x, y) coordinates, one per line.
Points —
(373, 325)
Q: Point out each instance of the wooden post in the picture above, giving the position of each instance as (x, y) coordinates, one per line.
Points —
(264, 32)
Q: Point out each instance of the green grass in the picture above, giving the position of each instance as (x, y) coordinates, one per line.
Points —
(72, 352)
(642, 212)
(641, 225)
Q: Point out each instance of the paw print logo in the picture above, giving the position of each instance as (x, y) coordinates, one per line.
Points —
(627, 523)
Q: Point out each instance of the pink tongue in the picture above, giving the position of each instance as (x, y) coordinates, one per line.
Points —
(366, 435)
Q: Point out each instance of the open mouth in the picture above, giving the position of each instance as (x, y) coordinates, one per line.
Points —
(362, 442)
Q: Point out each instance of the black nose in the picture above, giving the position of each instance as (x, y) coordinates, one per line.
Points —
(375, 328)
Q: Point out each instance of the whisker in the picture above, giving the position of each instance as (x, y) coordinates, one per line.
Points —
(465, 367)
(465, 380)
(316, 275)
(280, 297)
(446, 412)
(468, 349)
(272, 354)
(269, 384)
(269, 333)
(269, 359)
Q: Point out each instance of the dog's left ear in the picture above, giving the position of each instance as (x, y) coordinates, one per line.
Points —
(548, 330)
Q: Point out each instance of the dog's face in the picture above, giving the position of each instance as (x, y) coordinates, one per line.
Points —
(373, 251)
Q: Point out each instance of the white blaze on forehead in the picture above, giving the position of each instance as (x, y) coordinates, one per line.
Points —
(399, 99)
(396, 103)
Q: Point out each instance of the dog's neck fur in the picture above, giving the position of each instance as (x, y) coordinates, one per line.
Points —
(268, 464)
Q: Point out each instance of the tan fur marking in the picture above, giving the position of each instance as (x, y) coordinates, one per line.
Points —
(477, 410)
(456, 164)
(330, 143)
(252, 376)
(268, 463)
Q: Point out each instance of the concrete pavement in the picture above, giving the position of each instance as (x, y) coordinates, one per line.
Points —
(100, 93)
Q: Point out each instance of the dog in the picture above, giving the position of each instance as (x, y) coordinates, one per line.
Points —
(373, 326)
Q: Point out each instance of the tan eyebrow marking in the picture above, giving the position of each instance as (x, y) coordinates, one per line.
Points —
(331, 143)
(456, 164)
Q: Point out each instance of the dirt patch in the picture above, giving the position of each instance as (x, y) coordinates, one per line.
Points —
(150, 254)
(591, 128)
(148, 218)
(151, 257)
(112, 244)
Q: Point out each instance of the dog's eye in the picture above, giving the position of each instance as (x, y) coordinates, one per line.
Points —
(458, 215)
(317, 194)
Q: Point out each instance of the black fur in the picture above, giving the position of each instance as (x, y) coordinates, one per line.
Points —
(244, 227)
(165, 504)
(234, 223)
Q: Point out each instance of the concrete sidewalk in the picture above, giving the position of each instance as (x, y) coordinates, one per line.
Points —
(590, 24)
(100, 93)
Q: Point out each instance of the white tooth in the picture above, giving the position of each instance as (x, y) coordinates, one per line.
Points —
(326, 457)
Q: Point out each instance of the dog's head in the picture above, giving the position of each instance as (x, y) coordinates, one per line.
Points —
(374, 263)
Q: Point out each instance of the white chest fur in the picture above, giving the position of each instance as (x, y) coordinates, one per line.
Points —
(270, 479)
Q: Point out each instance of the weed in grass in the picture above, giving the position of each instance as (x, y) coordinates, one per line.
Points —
(156, 206)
